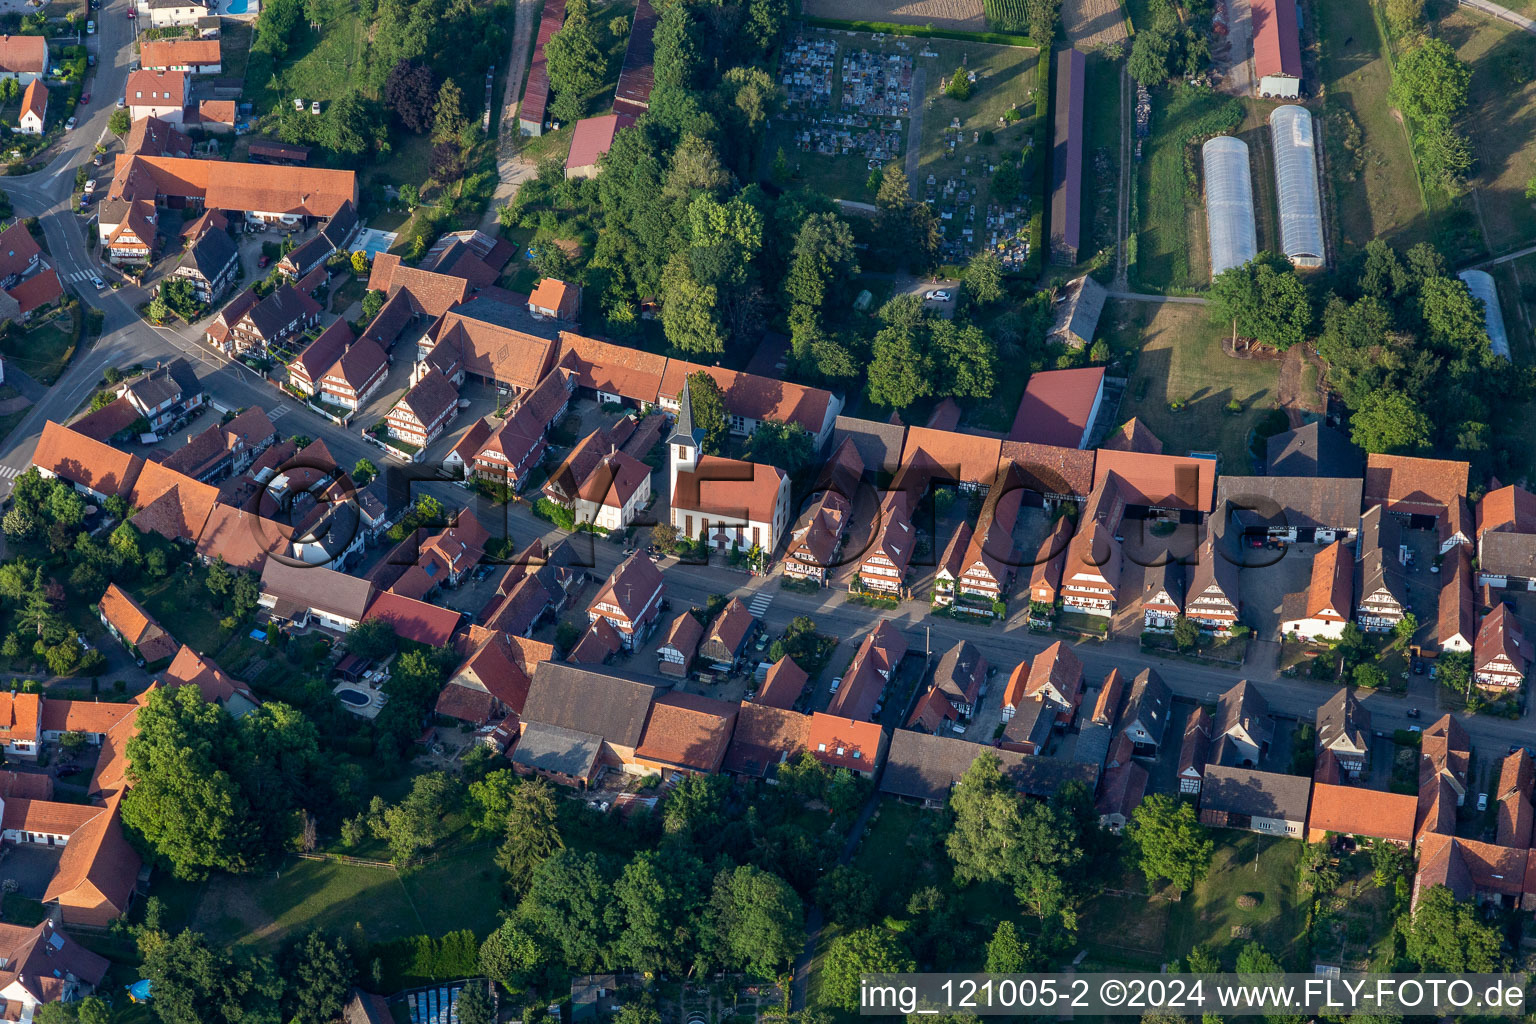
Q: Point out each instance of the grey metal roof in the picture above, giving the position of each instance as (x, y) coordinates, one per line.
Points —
(1254, 793)
(608, 705)
(1314, 450)
(551, 748)
(1300, 501)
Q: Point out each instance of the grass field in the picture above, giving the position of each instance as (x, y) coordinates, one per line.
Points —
(1171, 242)
(1375, 195)
(1500, 121)
(1174, 353)
(1005, 78)
(1245, 864)
(261, 910)
(323, 65)
(44, 351)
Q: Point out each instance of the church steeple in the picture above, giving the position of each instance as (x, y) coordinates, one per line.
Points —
(687, 440)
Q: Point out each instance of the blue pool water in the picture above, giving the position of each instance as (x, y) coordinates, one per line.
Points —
(237, 6)
(356, 698)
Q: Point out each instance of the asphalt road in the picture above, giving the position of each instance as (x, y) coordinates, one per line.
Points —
(127, 339)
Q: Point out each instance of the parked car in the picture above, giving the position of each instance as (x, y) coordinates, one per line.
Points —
(937, 296)
(90, 28)
(85, 98)
(835, 684)
(90, 185)
(1482, 801)
(69, 770)
(1413, 712)
(90, 60)
(264, 261)
(69, 125)
(132, 13)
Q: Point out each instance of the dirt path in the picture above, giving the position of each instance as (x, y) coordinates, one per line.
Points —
(510, 167)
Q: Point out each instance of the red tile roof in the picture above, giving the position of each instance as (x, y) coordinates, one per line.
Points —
(170, 503)
(99, 860)
(1360, 812)
(38, 290)
(557, 295)
(612, 369)
(950, 455)
(170, 53)
(227, 185)
(80, 460)
(1510, 508)
(1414, 486)
(783, 684)
(415, 620)
(845, 743)
(688, 731)
(729, 487)
(150, 88)
(1058, 406)
(24, 54)
(18, 250)
(135, 625)
(593, 137)
(1276, 42)
(1166, 481)
(1134, 436)
(35, 99)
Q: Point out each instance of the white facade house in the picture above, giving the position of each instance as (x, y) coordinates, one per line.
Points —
(725, 502)
(172, 13)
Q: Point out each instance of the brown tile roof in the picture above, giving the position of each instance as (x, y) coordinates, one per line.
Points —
(1165, 481)
(321, 354)
(765, 736)
(501, 665)
(731, 488)
(754, 397)
(1411, 485)
(688, 731)
(153, 136)
(317, 587)
(430, 293)
(80, 460)
(1048, 469)
(1333, 581)
(848, 743)
(135, 625)
(216, 685)
(358, 365)
(953, 559)
(783, 684)
(948, 455)
(89, 716)
(170, 503)
(551, 293)
(169, 53)
(599, 643)
(1134, 436)
(243, 539)
(38, 290)
(46, 816)
(684, 634)
(18, 250)
(497, 341)
(103, 424)
(1499, 634)
(24, 54)
(732, 625)
(150, 88)
(110, 772)
(1106, 707)
(98, 859)
(413, 620)
(228, 185)
(1057, 666)
(1509, 508)
(1057, 406)
(1515, 793)
(631, 585)
(1455, 614)
(612, 369)
(1360, 812)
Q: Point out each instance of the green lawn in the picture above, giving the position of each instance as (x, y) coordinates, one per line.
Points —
(323, 65)
(262, 910)
(186, 612)
(10, 420)
(463, 890)
(1170, 229)
(1376, 194)
(43, 352)
(1500, 122)
(235, 49)
(1175, 353)
(1245, 864)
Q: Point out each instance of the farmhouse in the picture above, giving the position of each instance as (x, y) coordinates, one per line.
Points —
(1276, 49)
(1067, 157)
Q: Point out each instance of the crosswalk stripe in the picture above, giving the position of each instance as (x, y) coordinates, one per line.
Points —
(760, 603)
(277, 412)
(9, 472)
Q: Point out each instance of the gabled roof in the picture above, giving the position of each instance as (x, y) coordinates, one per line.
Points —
(499, 340)
(501, 666)
(783, 684)
(1244, 708)
(960, 672)
(99, 859)
(1247, 791)
(1355, 811)
(168, 53)
(1134, 436)
(596, 702)
(754, 397)
(1414, 486)
(1296, 501)
(279, 309)
(924, 767)
(1314, 450)
(170, 503)
(154, 136)
(765, 736)
(24, 54)
(318, 588)
(218, 687)
(1511, 508)
(358, 365)
(612, 369)
(684, 634)
(688, 731)
(211, 253)
(599, 643)
(732, 625)
(414, 620)
(1149, 704)
(1333, 581)
(1500, 635)
(1276, 42)
(1343, 717)
(18, 249)
(135, 625)
(1455, 612)
(631, 585)
(1106, 706)
(1163, 481)
(1508, 554)
(593, 137)
(150, 88)
(845, 742)
(35, 100)
(730, 487)
(80, 460)
(950, 455)
(1058, 406)
(1056, 667)
(230, 185)
(321, 354)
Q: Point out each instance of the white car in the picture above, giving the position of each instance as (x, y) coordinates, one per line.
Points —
(1482, 801)
(69, 125)
(937, 296)
(98, 283)
(90, 185)
(836, 683)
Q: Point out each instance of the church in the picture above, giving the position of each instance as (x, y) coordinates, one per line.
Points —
(727, 502)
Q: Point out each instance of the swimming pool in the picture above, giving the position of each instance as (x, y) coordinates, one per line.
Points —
(237, 6)
(357, 698)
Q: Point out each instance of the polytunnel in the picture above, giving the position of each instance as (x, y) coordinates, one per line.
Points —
(1301, 209)
(1482, 286)
(1228, 203)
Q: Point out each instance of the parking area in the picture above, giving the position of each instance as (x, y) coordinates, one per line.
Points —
(31, 866)
(1264, 588)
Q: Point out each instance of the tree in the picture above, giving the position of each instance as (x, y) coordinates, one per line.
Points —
(789, 446)
(1404, 16)
(1170, 840)
(363, 472)
(319, 974)
(415, 824)
(511, 954)
(660, 895)
(196, 983)
(959, 85)
(372, 639)
(708, 403)
(360, 264)
(373, 301)
(1389, 421)
(1148, 63)
(1040, 20)
(448, 117)
(874, 950)
(574, 61)
(758, 921)
(1006, 952)
(411, 94)
(822, 262)
(965, 358)
(532, 833)
(689, 310)
(475, 1006)
(1445, 934)
(1264, 300)
(1388, 862)
(120, 122)
(847, 896)
(1430, 83)
(219, 578)
(1255, 959)
(570, 901)
(983, 278)
(1405, 628)
(901, 372)
(1185, 633)
(1368, 676)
